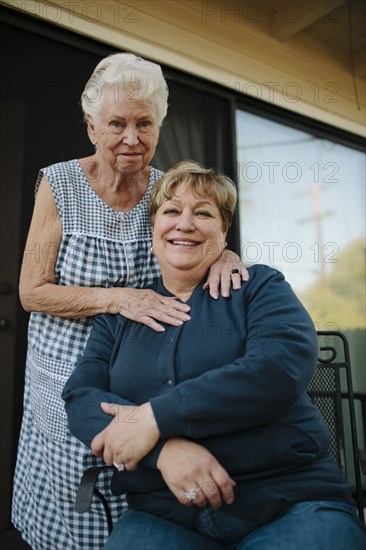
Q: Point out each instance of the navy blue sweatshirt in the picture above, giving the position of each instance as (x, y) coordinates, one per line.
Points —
(233, 378)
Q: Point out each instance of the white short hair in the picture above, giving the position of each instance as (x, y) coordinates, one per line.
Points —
(141, 79)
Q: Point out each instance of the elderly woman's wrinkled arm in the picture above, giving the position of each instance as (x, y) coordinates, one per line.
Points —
(39, 291)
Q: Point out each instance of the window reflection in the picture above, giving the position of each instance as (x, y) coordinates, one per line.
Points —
(302, 210)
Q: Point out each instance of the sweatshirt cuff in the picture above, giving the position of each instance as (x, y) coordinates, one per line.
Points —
(151, 458)
(169, 415)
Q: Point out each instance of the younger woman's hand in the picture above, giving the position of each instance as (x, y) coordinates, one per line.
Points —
(131, 435)
(193, 474)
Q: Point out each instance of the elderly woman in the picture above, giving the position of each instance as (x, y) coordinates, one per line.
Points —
(91, 226)
(214, 438)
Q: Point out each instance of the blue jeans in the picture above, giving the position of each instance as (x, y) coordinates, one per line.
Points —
(316, 525)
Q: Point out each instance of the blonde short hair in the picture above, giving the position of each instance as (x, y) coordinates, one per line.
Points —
(205, 182)
(143, 80)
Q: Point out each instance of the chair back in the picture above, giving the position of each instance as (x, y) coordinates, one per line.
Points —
(332, 392)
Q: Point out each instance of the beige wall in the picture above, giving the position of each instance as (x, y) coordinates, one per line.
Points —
(228, 43)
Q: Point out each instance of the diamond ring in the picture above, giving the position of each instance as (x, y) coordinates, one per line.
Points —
(120, 467)
(191, 494)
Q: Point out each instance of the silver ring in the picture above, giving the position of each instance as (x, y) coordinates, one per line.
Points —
(120, 467)
(191, 494)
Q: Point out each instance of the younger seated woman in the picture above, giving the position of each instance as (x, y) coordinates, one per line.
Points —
(216, 441)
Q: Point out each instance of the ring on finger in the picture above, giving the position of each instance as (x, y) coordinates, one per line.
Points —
(191, 494)
(120, 467)
(235, 272)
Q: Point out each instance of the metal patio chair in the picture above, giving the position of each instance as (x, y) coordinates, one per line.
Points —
(331, 391)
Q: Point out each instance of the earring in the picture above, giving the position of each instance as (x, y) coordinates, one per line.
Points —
(152, 249)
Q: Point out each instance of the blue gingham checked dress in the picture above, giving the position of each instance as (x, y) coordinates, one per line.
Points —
(100, 248)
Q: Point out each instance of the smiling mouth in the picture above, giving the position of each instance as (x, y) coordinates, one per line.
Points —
(177, 242)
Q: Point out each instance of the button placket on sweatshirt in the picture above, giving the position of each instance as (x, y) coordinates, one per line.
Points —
(165, 360)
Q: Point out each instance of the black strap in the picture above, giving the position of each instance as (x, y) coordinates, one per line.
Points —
(86, 488)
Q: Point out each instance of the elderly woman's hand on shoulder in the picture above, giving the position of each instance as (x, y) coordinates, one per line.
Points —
(148, 307)
(227, 272)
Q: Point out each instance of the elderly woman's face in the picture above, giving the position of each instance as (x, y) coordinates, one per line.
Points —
(188, 232)
(125, 132)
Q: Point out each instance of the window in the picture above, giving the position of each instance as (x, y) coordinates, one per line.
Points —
(302, 210)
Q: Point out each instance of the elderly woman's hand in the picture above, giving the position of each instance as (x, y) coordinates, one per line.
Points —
(148, 307)
(132, 434)
(226, 272)
(193, 474)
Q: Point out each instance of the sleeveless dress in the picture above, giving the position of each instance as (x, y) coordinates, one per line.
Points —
(100, 247)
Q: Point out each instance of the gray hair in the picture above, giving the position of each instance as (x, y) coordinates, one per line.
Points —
(141, 79)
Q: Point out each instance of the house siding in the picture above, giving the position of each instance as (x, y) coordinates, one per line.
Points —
(230, 44)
